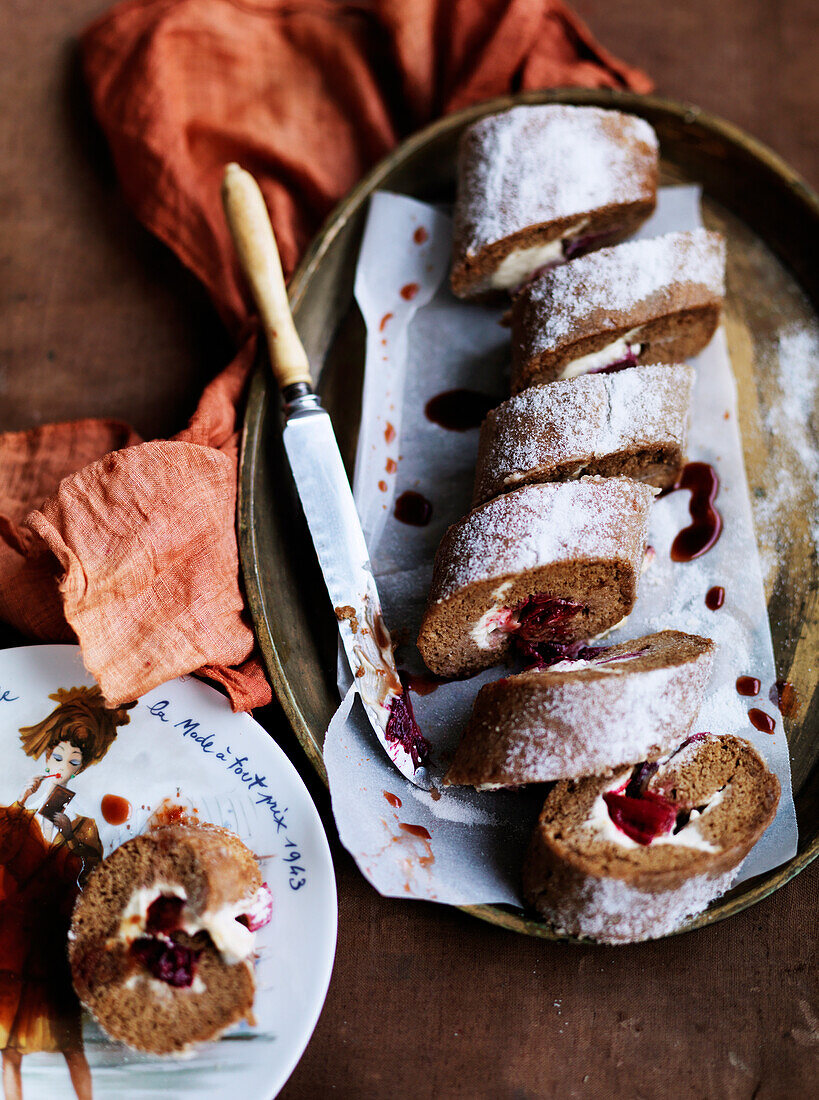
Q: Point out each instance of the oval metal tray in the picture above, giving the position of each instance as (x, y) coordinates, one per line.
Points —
(771, 220)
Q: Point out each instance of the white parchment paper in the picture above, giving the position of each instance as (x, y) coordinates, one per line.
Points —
(432, 343)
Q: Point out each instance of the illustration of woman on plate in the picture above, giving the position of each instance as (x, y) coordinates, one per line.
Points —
(46, 853)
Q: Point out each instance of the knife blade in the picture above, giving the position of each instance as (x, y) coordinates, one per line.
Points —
(324, 489)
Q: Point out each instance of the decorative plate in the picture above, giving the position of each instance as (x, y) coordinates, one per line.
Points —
(178, 752)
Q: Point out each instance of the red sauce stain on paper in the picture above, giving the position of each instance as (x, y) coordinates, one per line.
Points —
(748, 685)
(459, 410)
(715, 598)
(413, 508)
(761, 721)
(697, 539)
(115, 809)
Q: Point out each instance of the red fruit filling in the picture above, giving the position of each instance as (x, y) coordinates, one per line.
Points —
(539, 624)
(628, 360)
(260, 912)
(168, 962)
(574, 246)
(543, 618)
(643, 818)
(402, 728)
(163, 915)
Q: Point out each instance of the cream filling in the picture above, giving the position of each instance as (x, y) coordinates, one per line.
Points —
(612, 353)
(689, 836)
(518, 266)
(491, 620)
(233, 940)
(602, 664)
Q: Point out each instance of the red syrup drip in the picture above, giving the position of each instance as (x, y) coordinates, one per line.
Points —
(642, 818)
(715, 598)
(748, 685)
(783, 695)
(702, 482)
(391, 466)
(393, 799)
(420, 236)
(384, 320)
(389, 432)
(382, 485)
(415, 830)
(459, 410)
(412, 508)
(423, 684)
(402, 727)
(628, 360)
(115, 809)
(409, 290)
(761, 721)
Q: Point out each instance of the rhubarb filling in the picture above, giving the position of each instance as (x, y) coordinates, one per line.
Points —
(402, 729)
(166, 938)
(539, 625)
(645, 817)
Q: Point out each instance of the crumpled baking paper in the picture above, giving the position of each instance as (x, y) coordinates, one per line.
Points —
(455, 845)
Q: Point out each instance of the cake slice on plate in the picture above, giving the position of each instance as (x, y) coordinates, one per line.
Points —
(632, 424)
(543, 565)
(630, 857)
(648, 301)
(162, 937)
(537, 185)
(611, 706)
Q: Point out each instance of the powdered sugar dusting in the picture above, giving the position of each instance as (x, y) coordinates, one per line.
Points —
(594, 518)
(581, 421)
(610, 910)
(617, 281)
(535, 164)
(616, 719)
(791, 418)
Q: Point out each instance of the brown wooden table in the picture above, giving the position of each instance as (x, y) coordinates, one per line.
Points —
(99, 319)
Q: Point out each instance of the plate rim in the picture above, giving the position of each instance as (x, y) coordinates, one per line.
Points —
(503, 916)
(325, 863)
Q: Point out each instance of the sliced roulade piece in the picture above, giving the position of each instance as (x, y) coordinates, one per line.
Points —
(611, 706)
(162, 937)
(537, 185)
(647, 301)
(632, 856)
(546, 564)
(632, 424)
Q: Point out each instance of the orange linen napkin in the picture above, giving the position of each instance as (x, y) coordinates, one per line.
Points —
(134, 551)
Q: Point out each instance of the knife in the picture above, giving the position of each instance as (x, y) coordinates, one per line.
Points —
(324, 489)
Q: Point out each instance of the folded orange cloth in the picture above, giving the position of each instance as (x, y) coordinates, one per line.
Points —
(134, 551)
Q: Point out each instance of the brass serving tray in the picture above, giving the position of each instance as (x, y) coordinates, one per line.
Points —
(771, 220)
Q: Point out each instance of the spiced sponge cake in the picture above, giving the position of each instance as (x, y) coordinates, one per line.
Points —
(543, 565)
(647, 301)
(630, 857)
(162, 937)
(537, 185)
(613, 705)
(630, 424)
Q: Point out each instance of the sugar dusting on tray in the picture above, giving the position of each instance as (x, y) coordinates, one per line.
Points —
(476, 841)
